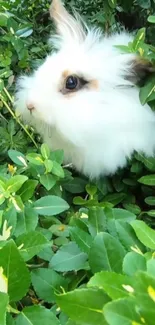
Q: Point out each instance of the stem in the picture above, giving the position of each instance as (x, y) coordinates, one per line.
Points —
(35, 266)
(12, 310)
(17, 120)
(3, 118)
(9, 96)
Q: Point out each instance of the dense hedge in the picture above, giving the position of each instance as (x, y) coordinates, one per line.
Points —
(72, 252)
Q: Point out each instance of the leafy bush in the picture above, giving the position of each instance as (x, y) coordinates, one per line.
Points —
(72, 252)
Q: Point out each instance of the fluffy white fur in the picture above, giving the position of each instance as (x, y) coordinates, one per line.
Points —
(98, 129)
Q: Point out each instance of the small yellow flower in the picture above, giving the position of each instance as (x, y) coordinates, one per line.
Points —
(151, 293)
(61, 228)
(5, 232)
(3, 282)
(12, 169)
(35, 301)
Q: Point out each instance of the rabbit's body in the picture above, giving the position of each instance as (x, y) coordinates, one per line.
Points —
(102, 123)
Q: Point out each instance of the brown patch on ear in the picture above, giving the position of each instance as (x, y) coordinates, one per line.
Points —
(57, 10)
(65, 23)
(140, 69)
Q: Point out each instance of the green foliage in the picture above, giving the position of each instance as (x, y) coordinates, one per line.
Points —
(36, 315)
(16, 271)
(72, 252)
(4, 299)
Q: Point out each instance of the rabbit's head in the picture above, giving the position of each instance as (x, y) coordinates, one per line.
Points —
(75, 89)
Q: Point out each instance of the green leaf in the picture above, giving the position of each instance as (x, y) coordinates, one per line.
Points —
(2, 198)
(4, 300)
(24, 32)
(9, 319)
(144, 233)
(81, 238)
(149, 162)
(3, 19)
(31, 244)
(11, 216)
(114, 198)
(81, 222)
(50, 205)
(150, 200)
(27, 189)
(35, 159)
(106, 253)
(27, 221)
(70, 322)
(77, 185)
(15, 270)
(112, 3)
(147, 180)
(84, 306)
(151, 19)
(15, 183)
(17, 203)
(151, 267)
(1, 217)
(147, 91)
(112, 283)
(59, 230)
(139, 38)
(17, 157)
(68, 258)
(144, 291)
(136, 167)
(48, 165)
(134, 208)
(145, 4)
(151, 213)
(78, 200)
(45, 151)
(119, 214)
(97, 221)
(127, 236)
(46, 254)
(48, 181)
(36, 315)
(46, 283)
(57, 170)
(122, 312)
(91, 189)
(57, 155)
(133, 262)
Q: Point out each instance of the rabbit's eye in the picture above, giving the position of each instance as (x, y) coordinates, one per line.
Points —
(71, 82)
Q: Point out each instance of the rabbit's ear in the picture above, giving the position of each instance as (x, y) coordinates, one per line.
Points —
(67, 26)
(140, 69)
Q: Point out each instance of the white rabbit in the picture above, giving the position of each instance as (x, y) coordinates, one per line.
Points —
(83, 98)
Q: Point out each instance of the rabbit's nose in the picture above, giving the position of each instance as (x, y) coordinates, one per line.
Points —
(30, 107)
